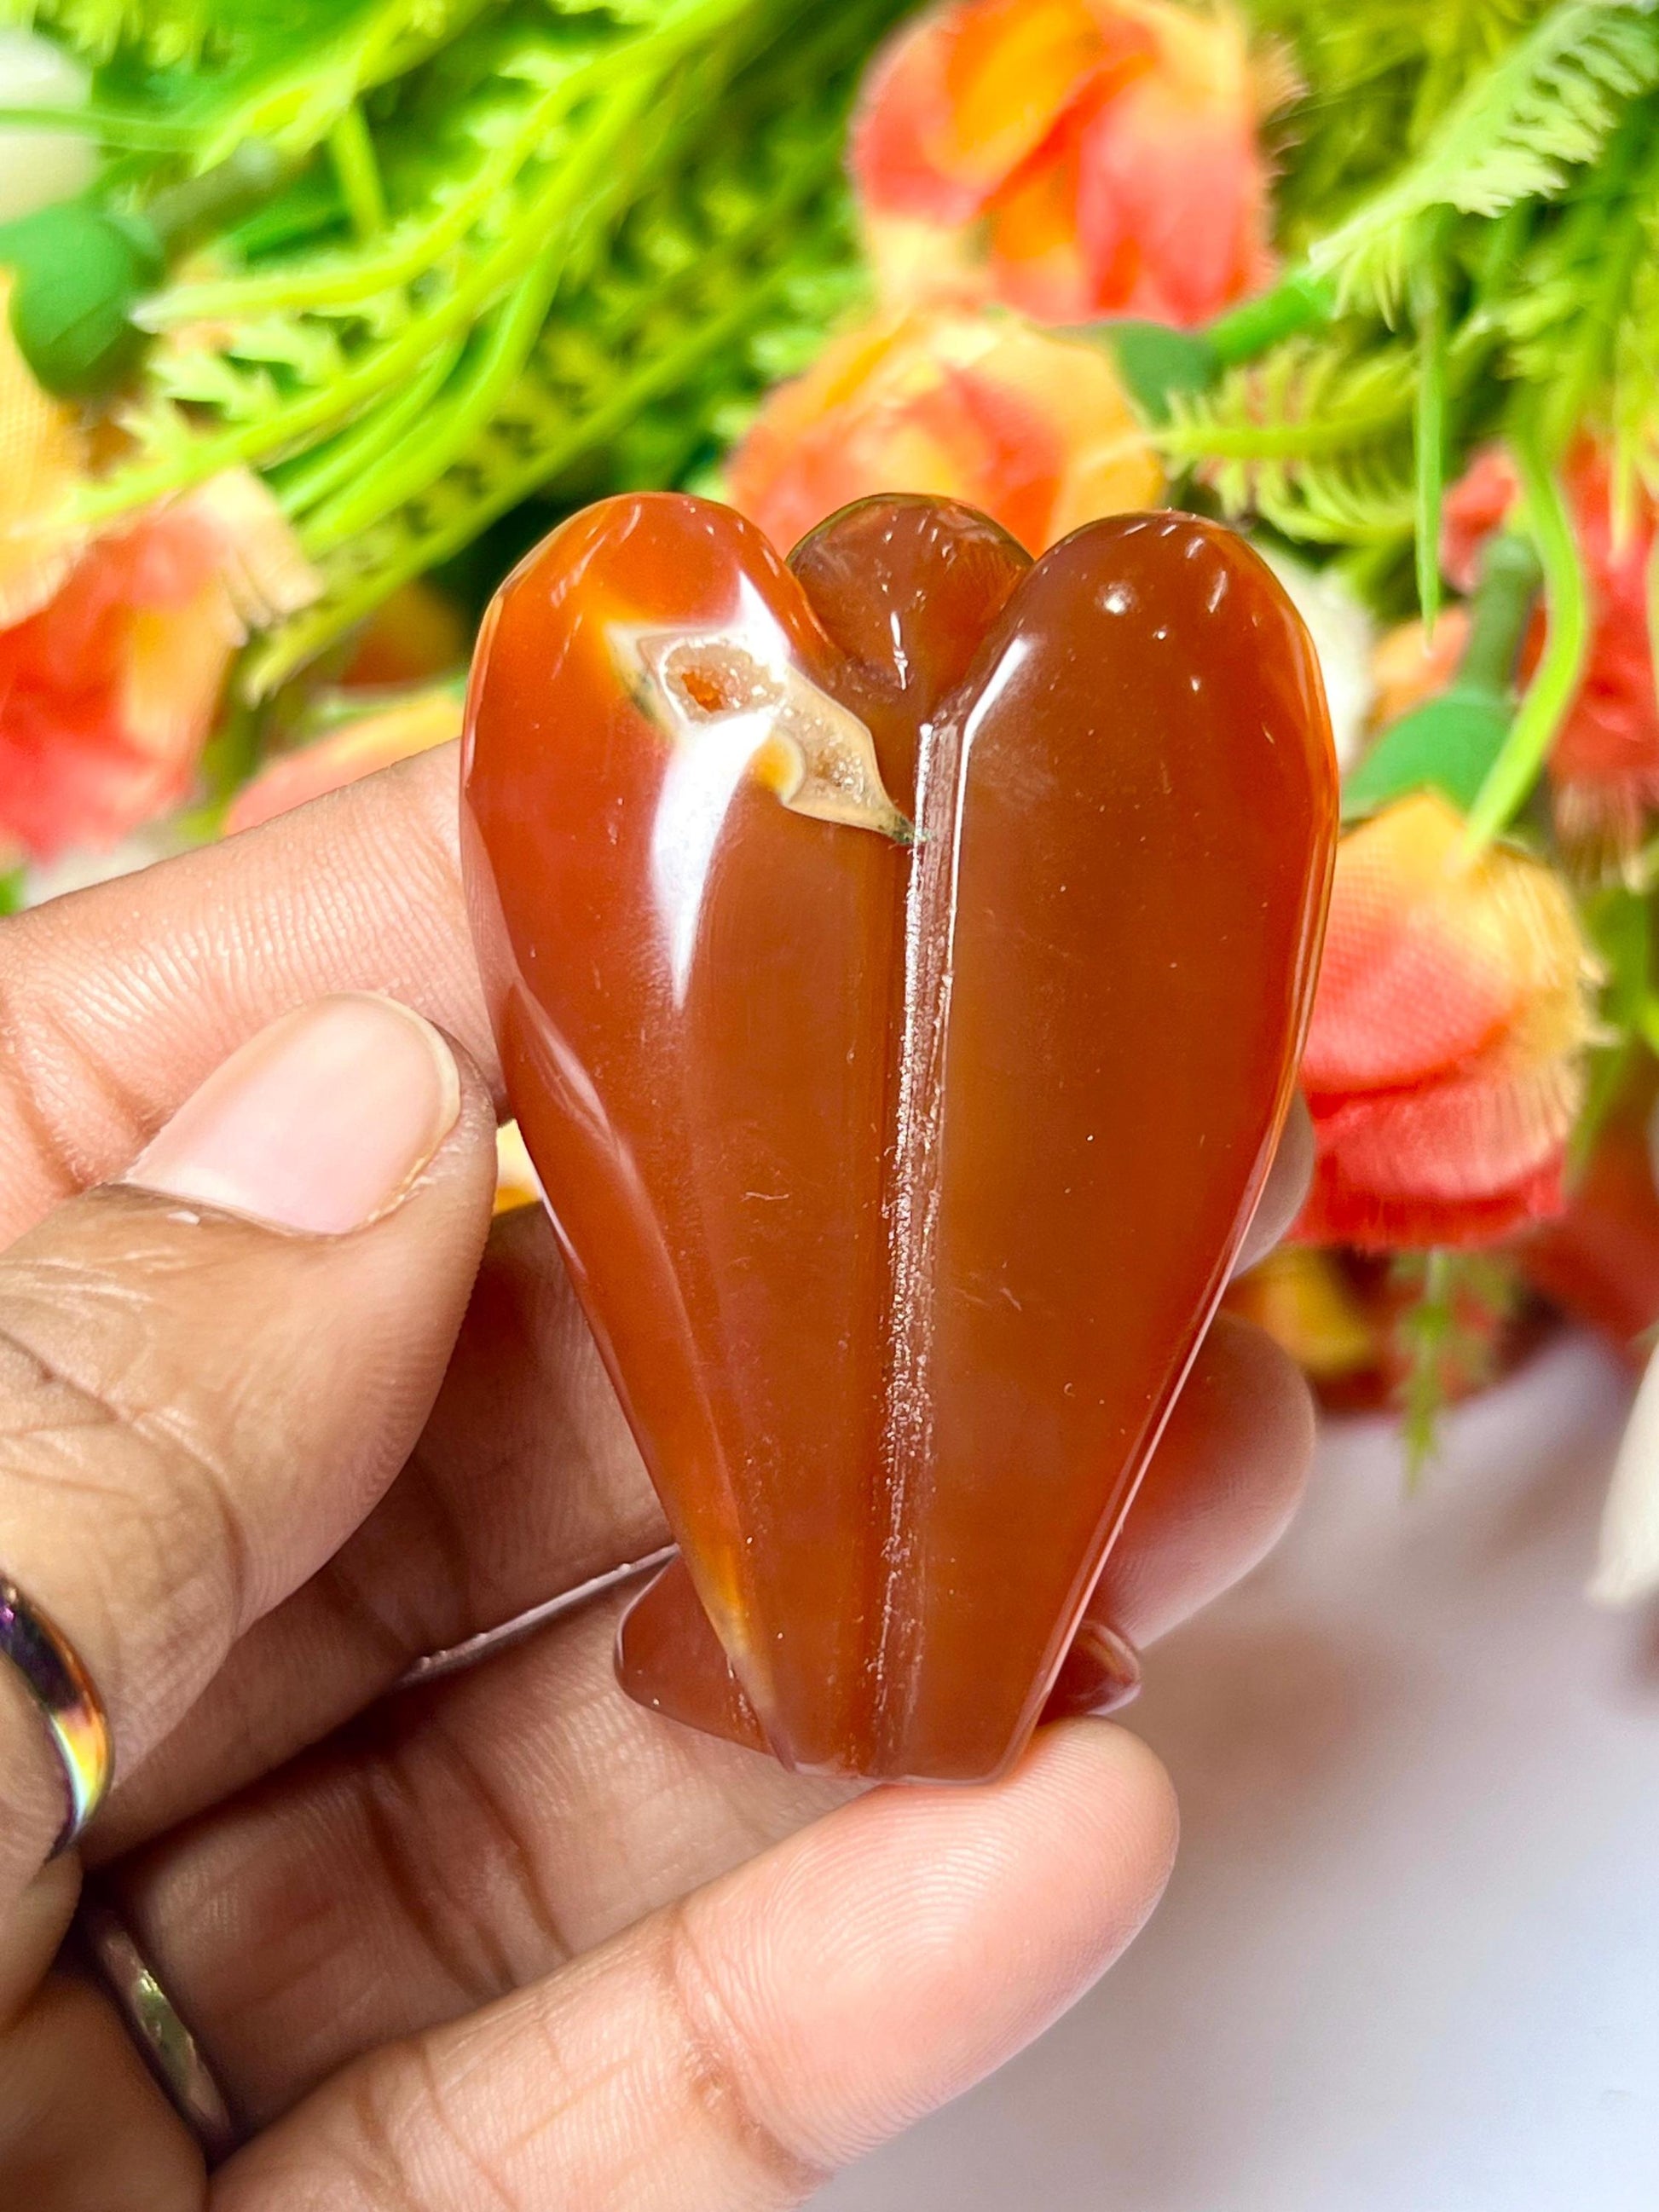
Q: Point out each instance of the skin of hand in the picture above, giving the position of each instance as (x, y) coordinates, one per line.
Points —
(279, 1411)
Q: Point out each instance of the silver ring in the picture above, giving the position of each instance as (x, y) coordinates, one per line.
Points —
(67, 1699)
(170, 2051)
(489, 1641)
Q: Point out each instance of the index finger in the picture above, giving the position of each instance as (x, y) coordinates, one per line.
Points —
(116, 1002)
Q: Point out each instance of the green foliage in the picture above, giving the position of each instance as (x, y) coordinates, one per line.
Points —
(1315, 440)
(1544, 516)
(504, 181)
(1378, 75)
(520, 245)
(1459, 1304)
(1483, 174)
(284, 70)
(733, 258)
(1621, 927)
(1514, 132)
(162, 32)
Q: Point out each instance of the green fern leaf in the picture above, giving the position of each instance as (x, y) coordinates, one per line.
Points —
(164, 33)
(763, 212)
(1316, 441)
(1633, 399)
(1516, 132)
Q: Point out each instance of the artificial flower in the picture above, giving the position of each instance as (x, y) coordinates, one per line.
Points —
(417, 633)
(1070, 157)
(1300, 1297)
(44, 454)
(517, 1183)
(1349, 1321)
(980, 406)
(108, 689)
(1412, 664)
(1443, 1066)
(374, 737)
(1604, 766)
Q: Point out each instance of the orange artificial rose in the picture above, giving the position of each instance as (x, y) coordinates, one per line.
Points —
(1070, 157)
(414, 636)
(1444, 1066)
(386, 730)
(110, 686)
(1409, 666)
(980, 406)
(43, 453)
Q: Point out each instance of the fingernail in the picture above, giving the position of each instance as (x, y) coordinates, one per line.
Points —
(319, 1123)
(1099, 1675)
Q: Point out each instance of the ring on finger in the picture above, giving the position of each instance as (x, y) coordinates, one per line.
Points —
(151, 2018)
(68, 1702)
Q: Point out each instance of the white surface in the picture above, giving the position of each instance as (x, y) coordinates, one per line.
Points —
(1409, 1961)
(1345, 636)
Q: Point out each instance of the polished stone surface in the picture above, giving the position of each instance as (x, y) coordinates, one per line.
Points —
(899, 961)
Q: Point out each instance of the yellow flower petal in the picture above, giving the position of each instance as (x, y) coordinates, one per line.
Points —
(43, 455)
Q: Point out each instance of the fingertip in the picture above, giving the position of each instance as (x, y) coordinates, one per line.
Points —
(919, 1938)
(1099, 1762)
(1227, 1477)
(1285, 1191)
(1268, 1395)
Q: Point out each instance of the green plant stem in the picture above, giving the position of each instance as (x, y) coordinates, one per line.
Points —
(1300, 302)
(1510, 780)
(1619, 923)
(410, 249)
(1428, 1328)
(402, 469)
(351, 148)
(217, 197)
(136, 133)
(1429, 424)
(1500, 613)
(348, 392)
(311, 477)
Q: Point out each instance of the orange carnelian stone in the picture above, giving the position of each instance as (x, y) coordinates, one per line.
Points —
(899, 959)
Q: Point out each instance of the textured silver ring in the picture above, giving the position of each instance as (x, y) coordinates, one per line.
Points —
(68, 1702)
(170, 2051)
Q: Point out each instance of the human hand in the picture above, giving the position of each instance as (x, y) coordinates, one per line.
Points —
(504, 1938)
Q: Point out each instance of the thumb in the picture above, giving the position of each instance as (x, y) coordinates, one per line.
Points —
(211, 1371)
